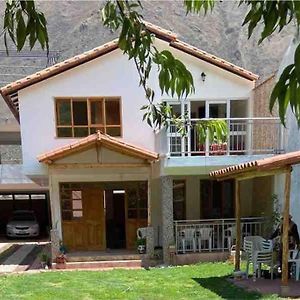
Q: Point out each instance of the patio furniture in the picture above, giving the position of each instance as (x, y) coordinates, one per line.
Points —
(204, 234)
(188, 239)
(230, 235)
(259, 251)
(294, 258)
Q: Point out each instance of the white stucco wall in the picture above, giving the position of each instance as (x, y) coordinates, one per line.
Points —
(111, 75)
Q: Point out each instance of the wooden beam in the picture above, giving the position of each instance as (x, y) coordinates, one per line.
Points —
(252, 174)
(98, 165)
(238, 224)
(285, 237)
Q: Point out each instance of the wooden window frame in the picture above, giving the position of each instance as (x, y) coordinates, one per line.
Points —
(70, 189)
(89, 125)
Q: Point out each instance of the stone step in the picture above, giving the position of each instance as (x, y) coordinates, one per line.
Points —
(102, 257)
(114, 264)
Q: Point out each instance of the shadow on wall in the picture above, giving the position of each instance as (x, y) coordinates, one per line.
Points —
(224, 289)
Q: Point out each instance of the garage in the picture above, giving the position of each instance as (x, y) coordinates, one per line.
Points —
(36, 201)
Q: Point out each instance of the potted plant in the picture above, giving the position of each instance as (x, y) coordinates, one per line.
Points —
(45, 260)
(141, 245)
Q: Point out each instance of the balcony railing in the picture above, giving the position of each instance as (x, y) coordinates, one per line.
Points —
(214, 234)
(247, 136)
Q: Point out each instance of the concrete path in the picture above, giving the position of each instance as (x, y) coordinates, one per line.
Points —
(13, 262)
(4, 247)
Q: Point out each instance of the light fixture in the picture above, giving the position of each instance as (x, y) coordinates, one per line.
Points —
(203, 76)
(118, 192)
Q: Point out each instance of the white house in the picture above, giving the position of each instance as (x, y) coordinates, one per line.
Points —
(109, 173)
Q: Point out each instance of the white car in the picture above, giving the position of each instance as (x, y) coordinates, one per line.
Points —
(23, 224)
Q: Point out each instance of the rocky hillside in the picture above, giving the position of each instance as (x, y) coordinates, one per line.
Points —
(75, 26)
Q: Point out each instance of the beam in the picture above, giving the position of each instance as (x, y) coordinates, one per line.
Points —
(238, 224)
(252, 174)
(98, 165)
(285, 237)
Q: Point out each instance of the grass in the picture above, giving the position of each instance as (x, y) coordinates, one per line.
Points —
(202, 281)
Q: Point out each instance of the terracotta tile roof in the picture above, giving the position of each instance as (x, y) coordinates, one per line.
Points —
(9, 92)
(98, 138)
(265, 164)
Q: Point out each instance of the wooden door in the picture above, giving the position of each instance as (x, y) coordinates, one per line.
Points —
(136, 212)
(84, 221)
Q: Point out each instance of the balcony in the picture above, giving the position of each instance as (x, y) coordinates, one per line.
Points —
(247, 136)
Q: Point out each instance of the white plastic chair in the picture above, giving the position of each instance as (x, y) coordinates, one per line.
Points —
(259, 251)
(294, 258)
(187, 237)
(204, 234)
(230, 235)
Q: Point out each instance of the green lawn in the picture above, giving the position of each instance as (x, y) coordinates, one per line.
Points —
(203, 281)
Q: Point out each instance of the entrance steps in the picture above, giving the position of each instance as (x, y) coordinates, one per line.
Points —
(107, 264)
(111, 256)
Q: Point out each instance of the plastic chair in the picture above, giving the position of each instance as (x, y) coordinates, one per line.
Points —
(259, 251)
(294, 258)
(205, 234)
(187, 237)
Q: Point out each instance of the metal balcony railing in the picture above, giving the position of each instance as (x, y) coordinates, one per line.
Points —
(246, 136)
(213, 234)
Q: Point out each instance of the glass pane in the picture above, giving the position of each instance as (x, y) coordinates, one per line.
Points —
(197, 109)
(66, 204)
(238, 108)
(67, 215)
(64, 132)
(6, 197)
(112, 112)
(97, 112)
(95, 129)
(132, 198)
(21, 197)
(76, 195)
(64, 112)
(77, 213)
(81, 131)
(143, 214)
(217, 110)
(80, 113)
(77, 204)
(38, 197)
(113, 131)
(132, 214)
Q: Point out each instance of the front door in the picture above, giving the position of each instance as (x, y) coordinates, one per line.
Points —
(83, 219)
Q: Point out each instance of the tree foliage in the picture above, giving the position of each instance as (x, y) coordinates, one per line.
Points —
(270, 17)
(22, 21)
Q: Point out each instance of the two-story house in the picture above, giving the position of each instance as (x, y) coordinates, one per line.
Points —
(109, 173)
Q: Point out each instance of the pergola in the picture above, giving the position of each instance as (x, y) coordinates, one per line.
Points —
(278, 164)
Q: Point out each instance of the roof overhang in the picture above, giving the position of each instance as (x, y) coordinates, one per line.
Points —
(97, 139)
(10, 91)
(258, 168)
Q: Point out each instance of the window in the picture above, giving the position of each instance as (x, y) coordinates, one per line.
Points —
(179, 200)
(137, 202)
(71, 202)
(80, 117)
(217, 199)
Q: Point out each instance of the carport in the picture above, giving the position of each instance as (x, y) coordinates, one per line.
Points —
(18, 192)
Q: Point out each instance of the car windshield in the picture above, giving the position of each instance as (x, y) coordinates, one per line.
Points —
(26, 216)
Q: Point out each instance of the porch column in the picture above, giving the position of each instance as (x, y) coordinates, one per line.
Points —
(238, 224)
(285, 235)
(167, 216)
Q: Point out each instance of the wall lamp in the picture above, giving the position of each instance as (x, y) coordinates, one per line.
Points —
(203, 76)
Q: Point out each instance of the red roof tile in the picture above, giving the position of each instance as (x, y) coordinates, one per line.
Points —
(97, 138)
(12, 88)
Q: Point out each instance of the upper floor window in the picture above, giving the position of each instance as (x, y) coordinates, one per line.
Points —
(80, 117)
